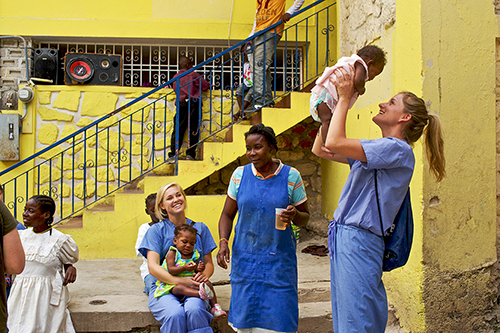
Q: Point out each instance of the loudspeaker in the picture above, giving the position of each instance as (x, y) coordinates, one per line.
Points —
(92, 69)
(45, 63)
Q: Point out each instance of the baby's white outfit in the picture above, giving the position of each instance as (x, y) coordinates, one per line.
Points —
(325, 91)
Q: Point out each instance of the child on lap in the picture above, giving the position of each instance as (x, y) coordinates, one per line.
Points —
(368, 63)
(183, 260)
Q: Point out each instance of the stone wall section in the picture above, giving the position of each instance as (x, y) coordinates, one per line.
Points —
(362, 22)
(12, 70)
(294, 149)
(492, 317)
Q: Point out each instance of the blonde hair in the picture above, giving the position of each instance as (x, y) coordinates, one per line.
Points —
(421, 120)
(162, 214)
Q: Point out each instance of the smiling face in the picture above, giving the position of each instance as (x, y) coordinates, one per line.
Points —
(259, 152)
(34, 217)
(173, 201)
(391, 113)
(184, 242)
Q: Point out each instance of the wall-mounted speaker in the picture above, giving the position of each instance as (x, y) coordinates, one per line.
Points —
(92, 69)
(45, 65)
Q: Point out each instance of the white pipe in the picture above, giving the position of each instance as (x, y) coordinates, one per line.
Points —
(230, 23)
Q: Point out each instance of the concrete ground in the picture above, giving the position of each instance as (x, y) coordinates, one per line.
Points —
(108, 296)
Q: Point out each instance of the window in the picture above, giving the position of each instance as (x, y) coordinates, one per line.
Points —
(153, 65)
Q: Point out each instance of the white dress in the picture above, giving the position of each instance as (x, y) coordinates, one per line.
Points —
(38, 301)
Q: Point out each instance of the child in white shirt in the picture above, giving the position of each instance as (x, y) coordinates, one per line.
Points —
(149, 280)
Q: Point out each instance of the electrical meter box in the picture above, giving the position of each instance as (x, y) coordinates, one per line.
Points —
(10, 131)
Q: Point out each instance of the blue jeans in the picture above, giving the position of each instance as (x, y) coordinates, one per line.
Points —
(149, 281)
(260, 65)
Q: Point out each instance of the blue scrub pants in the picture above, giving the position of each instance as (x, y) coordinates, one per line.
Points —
(359, 301)
(190, 316)
(149, 281)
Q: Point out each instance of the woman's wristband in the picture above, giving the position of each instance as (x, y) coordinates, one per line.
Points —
(223, 239)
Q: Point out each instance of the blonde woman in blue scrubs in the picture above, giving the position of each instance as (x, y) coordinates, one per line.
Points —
(359, 300)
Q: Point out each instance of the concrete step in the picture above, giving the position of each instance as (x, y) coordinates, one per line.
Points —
(108, 296)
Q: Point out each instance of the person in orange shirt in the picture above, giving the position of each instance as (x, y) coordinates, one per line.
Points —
(268, 13)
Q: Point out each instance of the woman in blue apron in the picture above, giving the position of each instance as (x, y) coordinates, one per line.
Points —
(264, 267)
(359, 300)
(177, 315)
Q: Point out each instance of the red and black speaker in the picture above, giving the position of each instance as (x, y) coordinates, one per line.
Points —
(45, 65)
(92, 69)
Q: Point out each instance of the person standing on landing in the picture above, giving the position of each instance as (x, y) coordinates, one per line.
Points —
(268, 13)
(355, 239)
(189, 98)
(246, 83)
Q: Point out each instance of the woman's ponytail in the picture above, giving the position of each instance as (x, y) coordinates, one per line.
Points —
(434, 147)
(421, 120)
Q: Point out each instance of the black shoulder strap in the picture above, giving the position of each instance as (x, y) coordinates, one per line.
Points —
(378, 204)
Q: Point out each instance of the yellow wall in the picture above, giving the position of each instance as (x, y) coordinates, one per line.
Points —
(158, 22)
(458, 69)
(445, 52)
(113, 234)
(177, 19)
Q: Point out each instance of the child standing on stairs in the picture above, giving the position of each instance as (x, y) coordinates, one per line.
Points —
(148, 279)
(367, 63)
(182, 260)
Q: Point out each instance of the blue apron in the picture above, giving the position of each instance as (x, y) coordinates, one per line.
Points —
(264, 261)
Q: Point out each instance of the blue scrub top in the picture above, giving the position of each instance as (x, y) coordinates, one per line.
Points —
(395, 161)
(160, 236)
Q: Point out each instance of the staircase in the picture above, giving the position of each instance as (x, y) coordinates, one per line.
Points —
(97, 239)
(99, 175)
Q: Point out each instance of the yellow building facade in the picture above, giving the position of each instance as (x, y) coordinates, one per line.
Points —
(446, 53)
(443, 51)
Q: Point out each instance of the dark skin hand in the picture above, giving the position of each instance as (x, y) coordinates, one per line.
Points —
(200, 267)
(70, 275)
(285, 17)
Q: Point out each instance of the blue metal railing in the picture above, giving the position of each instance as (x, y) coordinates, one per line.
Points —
(98, 160)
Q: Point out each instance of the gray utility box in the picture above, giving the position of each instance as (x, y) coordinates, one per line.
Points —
(10, 131)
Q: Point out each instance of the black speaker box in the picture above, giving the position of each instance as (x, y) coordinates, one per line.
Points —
(92, 69)
(45, 65)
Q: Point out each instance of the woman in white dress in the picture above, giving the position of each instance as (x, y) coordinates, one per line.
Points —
(38, 300)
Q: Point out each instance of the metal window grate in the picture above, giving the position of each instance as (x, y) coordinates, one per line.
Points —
(153, 65)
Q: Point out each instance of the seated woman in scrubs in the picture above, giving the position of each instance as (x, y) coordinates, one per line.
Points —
(175, 315)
